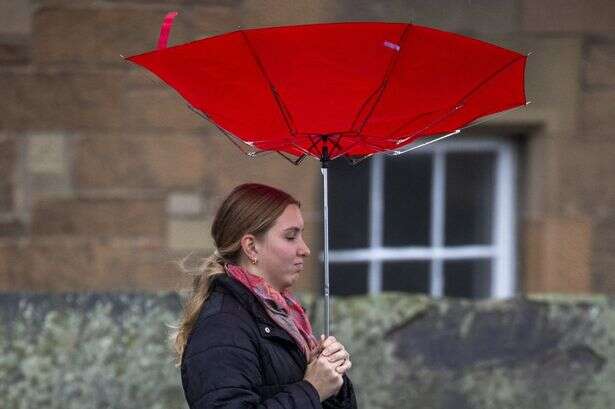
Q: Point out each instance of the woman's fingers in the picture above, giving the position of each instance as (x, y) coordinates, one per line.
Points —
(344, 366)
(338, 356)
(331, 346)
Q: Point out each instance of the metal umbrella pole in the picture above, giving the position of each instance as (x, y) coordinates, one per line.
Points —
(323, 170)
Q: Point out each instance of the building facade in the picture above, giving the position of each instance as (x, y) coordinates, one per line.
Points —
(107, 178)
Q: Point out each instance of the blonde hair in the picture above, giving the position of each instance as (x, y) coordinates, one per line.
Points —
(250, 208)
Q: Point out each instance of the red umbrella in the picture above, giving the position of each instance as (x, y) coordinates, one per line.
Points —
(339, 90)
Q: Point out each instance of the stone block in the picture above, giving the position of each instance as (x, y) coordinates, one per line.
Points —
(598, 120)
(13, 53)
(16, 17)
(189, 235)
(47, 154)
(48, 162)
(8, 158)
(481, 16)
(169, 162)
(184, 204)
(568, 15)
(100, 35)
(259, 13)
(169, 112)
(599, 69)
(112, 217)
(135, 266)
(603, 255)
(557, 256)
(64, 264)
(60, 101)
(11, 228)
(51, 265)
(586, 178)
(5, 272)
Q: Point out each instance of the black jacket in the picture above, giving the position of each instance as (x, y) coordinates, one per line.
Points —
(237, 357)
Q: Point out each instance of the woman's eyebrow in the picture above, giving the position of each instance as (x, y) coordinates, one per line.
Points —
(294, 228)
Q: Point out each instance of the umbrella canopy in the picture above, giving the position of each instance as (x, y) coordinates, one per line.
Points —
(343, 89)
(353, 89)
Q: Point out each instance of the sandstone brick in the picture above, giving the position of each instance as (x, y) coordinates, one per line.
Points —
(557, 254)
(60, 101)
(600, 64)
(11, 228)
(5, 277)
(141, 162)
(8, 157)
(568, 15)
(16, 17)
(258, 13)
(189, 234)
(478, 16)
(47, 154)
(94, 35)
(136, 267)
(160, 108)
(184, 204)
(603, 255)
(67, 264)
(50, 266)
(14, 54)
(586, 178)
(597, 113)
(113, 217)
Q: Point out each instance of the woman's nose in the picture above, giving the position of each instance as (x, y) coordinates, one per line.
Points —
(305, 250)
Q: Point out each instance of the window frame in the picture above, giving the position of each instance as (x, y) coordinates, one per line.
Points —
(502, 251)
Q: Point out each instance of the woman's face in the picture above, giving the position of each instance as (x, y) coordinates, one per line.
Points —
(281, 250)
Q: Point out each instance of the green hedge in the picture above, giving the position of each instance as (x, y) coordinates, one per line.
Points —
(111, 351)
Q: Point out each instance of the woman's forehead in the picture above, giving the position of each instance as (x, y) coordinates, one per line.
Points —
(290, 219)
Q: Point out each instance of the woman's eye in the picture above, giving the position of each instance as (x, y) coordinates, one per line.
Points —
(290, 238)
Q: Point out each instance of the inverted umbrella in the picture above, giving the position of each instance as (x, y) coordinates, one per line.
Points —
(338, 90)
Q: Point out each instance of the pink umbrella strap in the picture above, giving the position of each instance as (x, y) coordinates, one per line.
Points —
(165, 29)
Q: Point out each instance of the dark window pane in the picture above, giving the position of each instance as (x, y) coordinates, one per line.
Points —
(470, 192)
(348, 278)
(348, 204)
(406, 276)
(407, 192)
(467, 278)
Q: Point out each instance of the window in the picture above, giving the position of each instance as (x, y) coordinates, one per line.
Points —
(438, 220)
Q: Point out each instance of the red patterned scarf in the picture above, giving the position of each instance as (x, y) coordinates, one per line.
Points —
(283, 308)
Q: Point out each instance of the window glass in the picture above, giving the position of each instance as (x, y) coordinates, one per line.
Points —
(406, 276)
(348, 278)
(470, 181)
(407, 207)
(348, 204)
(467, 278)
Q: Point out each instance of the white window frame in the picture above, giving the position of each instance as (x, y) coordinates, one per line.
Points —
(501, 252)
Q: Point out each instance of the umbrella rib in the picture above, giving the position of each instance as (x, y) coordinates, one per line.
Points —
(283, 110)
(226, 133)
(380, 90)
(461, 101)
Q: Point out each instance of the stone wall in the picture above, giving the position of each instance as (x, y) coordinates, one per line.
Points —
(94, 176)
(111, 350)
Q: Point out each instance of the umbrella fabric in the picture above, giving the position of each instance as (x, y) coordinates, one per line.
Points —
(357, 88)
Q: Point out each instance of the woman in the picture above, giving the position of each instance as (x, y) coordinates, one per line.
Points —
(244, 341)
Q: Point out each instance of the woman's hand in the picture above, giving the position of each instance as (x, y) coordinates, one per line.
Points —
(329, 362)
(323, 375)
(335, 353)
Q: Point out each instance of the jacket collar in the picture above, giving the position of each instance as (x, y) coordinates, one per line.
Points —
(267, 327)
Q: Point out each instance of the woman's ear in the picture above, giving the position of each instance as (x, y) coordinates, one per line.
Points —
(248, 246)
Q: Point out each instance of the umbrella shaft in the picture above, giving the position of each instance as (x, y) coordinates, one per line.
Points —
(326, 246)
